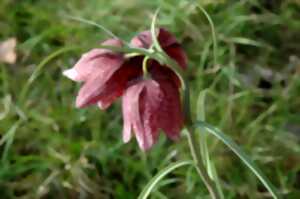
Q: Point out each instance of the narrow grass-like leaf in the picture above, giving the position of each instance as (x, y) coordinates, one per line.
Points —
(241, 154)
(154, 32)
(6, 107)
(210, 166)
(154, 181)
(8, 139)
(246, 41)
(89, 22)
(213, 32)
(203, 135)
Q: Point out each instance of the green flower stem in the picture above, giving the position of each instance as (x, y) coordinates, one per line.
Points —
(145, 69)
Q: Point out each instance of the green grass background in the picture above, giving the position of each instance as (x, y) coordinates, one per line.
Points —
(49, 149)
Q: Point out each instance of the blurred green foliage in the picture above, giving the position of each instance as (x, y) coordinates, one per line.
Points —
(49, 149)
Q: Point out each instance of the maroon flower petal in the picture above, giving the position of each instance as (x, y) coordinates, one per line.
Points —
(103, 88)
(163, 72)
(176, 52)
(144, 39)
(170, 115)
(94, 61)
(168, 43)
(130, 107)
(140, 106)
(96, 89)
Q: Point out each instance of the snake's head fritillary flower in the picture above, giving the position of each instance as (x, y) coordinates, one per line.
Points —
(149, 104)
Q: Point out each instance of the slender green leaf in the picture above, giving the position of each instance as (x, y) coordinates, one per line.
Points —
(241, 154)
(203, 137)
(6, 107)
(92, 23)
(210, 166)
(154, 181)
(213, 32)
(247, 41)
(8, 139)
(154, 32)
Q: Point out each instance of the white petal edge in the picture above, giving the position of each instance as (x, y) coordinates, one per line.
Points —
(72, 74)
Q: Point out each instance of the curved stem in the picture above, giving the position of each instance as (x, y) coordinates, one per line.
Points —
(145, 69)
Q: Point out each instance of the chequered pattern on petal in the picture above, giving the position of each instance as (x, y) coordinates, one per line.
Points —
(140, 105)
(170, 114)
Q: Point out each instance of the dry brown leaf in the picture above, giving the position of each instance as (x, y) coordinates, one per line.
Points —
(8, 51)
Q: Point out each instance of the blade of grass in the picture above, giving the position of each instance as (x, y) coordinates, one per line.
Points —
(154, 32)
(89, 22)
(6, 105)
(162, 173)
(241, 154)
(210, 166)
(8, 139)
(249, 42)
(213, 32)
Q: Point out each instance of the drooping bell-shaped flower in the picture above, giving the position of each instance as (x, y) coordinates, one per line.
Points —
(149, 104)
